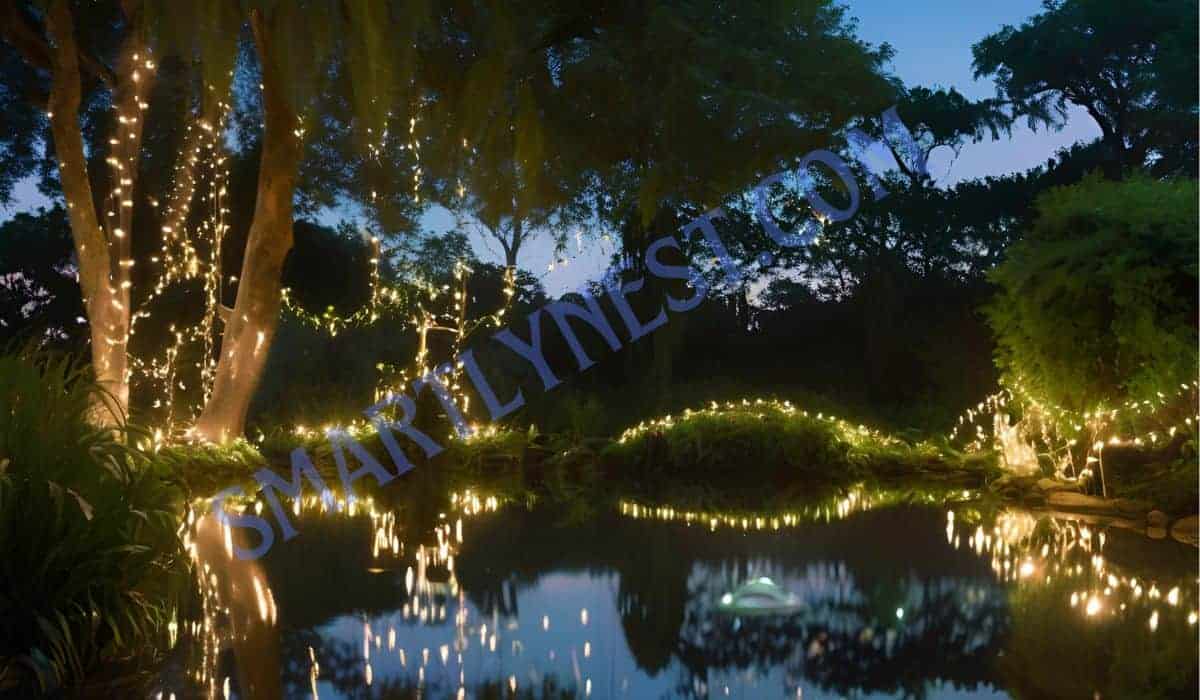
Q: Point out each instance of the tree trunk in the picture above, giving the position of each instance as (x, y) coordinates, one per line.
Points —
(105, 297)
(511, 250)
(251, 326)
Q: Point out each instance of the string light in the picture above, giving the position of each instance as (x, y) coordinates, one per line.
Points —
(1073, 440)
(188, 252)
(851, 433)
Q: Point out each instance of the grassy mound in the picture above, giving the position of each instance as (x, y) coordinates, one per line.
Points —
(766, 441)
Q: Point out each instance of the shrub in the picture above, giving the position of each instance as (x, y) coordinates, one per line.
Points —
(89, 556)
(1097, 305)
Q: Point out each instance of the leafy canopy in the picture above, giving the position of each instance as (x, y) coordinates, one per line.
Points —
(1132, 65)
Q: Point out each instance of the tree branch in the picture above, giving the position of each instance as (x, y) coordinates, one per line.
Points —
(32, 45)
(96, 69)
(15, 29)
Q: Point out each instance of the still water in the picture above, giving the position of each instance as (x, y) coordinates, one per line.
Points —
(444, 593)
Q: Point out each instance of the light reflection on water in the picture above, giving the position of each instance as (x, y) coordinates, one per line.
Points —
(903, 596)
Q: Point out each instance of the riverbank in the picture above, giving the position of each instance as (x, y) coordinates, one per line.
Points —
(724, 454)
(729, 451)
(1059, 497)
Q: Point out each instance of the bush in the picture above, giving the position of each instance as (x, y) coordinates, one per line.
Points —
(1097, 305)
(90, 563)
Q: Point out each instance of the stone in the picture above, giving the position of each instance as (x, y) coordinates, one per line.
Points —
(1130, 506)
(1157, 518)
(1187, 530)
(1011, 493)
(1078, 501)
(1050, 485)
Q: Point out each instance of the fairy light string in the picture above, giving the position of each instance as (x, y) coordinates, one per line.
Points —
(192, 221)
(418, 304)
(1075, 441)
(187, 252)
(855, 434)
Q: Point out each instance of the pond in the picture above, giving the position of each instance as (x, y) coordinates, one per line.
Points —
(441, 593)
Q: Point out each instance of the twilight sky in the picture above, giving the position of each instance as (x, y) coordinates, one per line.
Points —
(933, 41)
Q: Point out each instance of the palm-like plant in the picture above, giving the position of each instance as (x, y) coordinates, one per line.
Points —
(90, 561)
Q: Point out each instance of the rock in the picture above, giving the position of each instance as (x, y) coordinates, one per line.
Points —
(1187, 530)
(1026, 482)
(1001, 482)
(1011, 493)
(1157, 518)
(1156, 533)
(1079, 501)
(1050, 486)
(1130, 506)
(1013, 480)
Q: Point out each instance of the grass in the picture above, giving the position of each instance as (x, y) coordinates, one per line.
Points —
(204, 469)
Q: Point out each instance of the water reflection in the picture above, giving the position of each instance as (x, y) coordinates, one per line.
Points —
(856, 499)
(1058, 552)
(468, 594)
(235, 640)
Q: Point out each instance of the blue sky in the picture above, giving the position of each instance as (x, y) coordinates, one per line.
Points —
(933, 41)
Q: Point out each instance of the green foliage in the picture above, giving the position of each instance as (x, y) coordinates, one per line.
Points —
(1097, 305)
(23, 122)
(90, 563)
(89, 557)
(300, 38)
(582, 415)
(1164, 475)
(722, 445)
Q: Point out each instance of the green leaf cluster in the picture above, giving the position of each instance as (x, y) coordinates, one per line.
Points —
(1097, 304)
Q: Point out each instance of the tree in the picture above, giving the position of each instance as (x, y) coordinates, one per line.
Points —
(495, 198)
(101, 252)
(1131, 65)
(691, 104)
(290, 43)
(1097, 304)
(497, 161)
